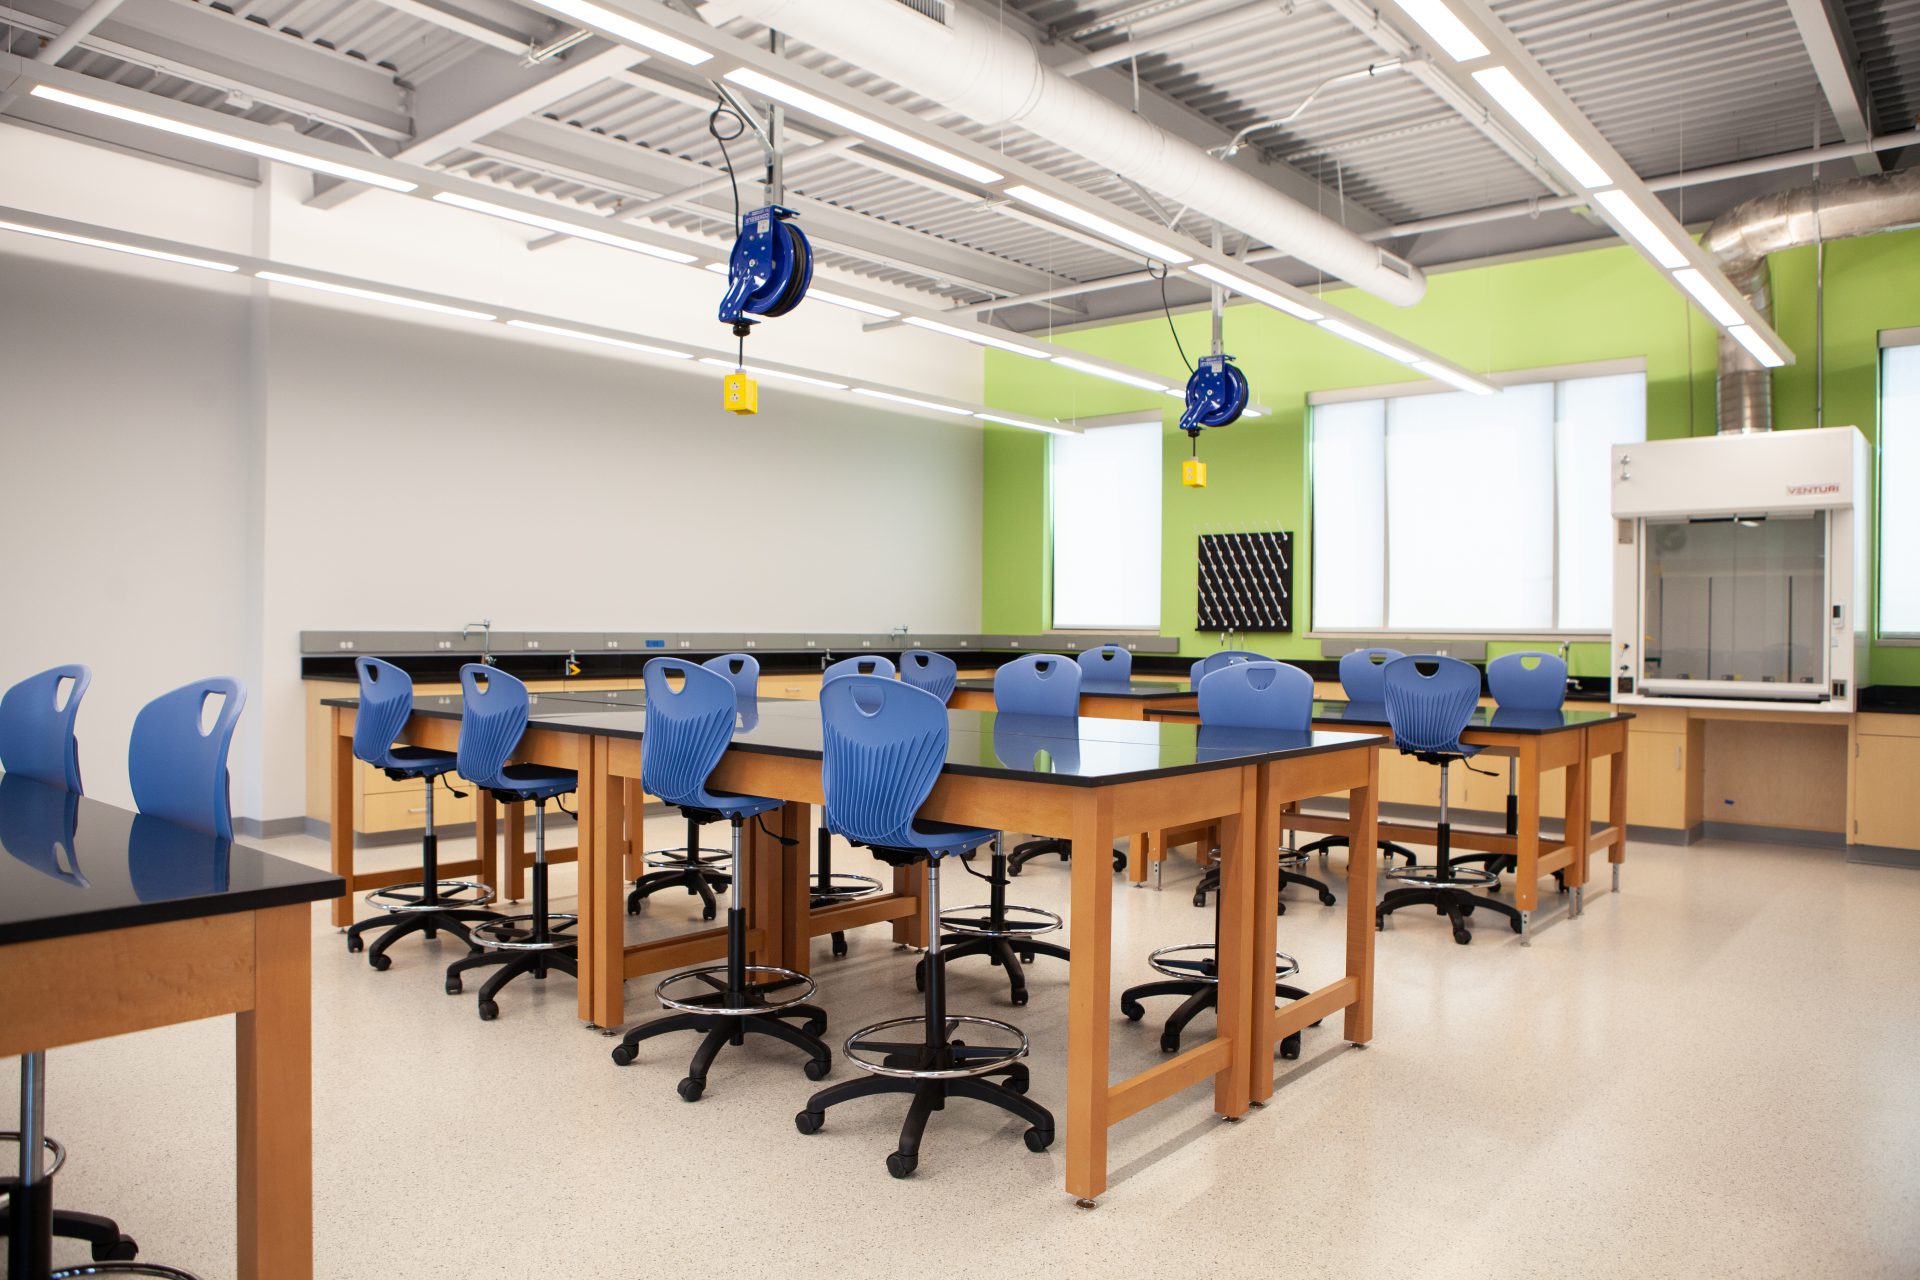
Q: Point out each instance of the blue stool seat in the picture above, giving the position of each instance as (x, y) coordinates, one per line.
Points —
(521, 782)
(417, 762)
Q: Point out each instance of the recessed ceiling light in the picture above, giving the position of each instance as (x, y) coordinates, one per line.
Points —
(1156, 249)
(630, 30)
(601, 338)
(1259, 293)
(1111, 375)
(374, 295)
(982, 339)
(1365, 339)
(775, 374)
(918, 404)
(92, 243)
(864, 125)
(1505, 88)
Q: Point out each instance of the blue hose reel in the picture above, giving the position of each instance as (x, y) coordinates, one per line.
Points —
(1217, 395)
(769, 270)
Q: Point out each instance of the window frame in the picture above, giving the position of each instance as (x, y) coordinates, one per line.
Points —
(1889, 340)
(1396, 390)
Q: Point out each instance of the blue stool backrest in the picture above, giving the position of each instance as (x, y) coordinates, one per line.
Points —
(36, 728)
(494, 709)
(883, 744)
(37, 823)
(1428, 709)
(1362, 670)
(1040, 684)
(1206, 666)
(1109, 664)
(687, 731)
(1540, 687)
(1257, 695)
(741, 668)
(934, 672)
(386, 700)
(178, 771)
(864, 665)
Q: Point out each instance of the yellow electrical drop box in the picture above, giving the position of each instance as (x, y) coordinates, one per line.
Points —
(1193, 473)
(742, 394)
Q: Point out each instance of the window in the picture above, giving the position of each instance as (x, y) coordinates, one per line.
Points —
(1899, 483)
(1455, 512)
(1105, 487)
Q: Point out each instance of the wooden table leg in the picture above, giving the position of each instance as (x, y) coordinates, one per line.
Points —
(794, 883)
(603, 904)
(1579, 829)
(1089, 997)
(486, 841)
(1241, 971)
(1266, 909)
(273, 1045)
(513, 858)
(634, 801)
(1138, 855)
(340, 819)
(1526, 875)
(1617, 808)
(1363, 871)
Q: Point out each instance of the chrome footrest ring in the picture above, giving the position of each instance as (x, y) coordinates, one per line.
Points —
(454, 895)
(515, 933)
(152, 1269)
(1429, 877)
(998, 1059)
(1033, 922)
(676, 858)
(714, 977)
(1195, 961)
(842, 886)
(59, 1153)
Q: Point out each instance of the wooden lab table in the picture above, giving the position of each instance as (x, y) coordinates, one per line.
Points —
(1112, 701)
(1082, 779)
(112, 922)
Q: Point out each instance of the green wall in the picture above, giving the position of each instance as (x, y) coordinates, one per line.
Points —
(1601, 304)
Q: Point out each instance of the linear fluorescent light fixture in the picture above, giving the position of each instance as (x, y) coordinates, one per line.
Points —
(1708, 297)
(1111, 375)
(982, 339)
(1066, 209)
(1024, 424)
(866, 126)
(1640, 229)
(1747, 337)
(582, 335)
(1505, 88)
(630, 30)
(91, 243)
(1365, 339)
(562, 227)
(775, 374)
(1448, 376)
(1258, 293)
(840, 300)
(918, 404)
(132, 115)
(1445, 29)
(374, 295)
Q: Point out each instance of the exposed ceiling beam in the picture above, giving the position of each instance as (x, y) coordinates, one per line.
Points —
(1829, 41)
(510, 29)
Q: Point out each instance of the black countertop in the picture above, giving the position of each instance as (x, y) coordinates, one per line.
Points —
(1070, 750)
(73, 866)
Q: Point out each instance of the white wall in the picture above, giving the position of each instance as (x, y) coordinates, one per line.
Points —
(199, 469)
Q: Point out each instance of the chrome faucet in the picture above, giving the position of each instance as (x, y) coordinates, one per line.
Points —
(486, 638)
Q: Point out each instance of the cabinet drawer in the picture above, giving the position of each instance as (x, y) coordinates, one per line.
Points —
(406, 810)
(799, 685)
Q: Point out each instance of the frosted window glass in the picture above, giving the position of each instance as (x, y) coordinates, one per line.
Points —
(1470, 510)
(1595, 414)
(1106, 527)
(1349, 514)
(1900, 491)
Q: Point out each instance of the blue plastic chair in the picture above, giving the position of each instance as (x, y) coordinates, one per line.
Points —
(1108, 665)
(1204, 667)
(1430, 700)
(1040, 684)
(178, 771)
(1363, 672)
(36, 726)
(934, 672)
(865, 664)
(494, 709)
(1235, 697)
(37, 824)
(429, 904)
(743, 669)
(884, 743)
(1528, 681)
(688, 730)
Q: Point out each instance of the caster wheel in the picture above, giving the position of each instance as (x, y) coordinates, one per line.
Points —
(691, 1089)
(839, 948)
(633, 908)
(1462, 937)
(122, 1250)
(1026, 957)
(354, 945)
(1119, 861)
(624, 1054)
(1379, 924)
(1169, 1044)
(809, 1121)
(489, 1011)
(381, 963)
(1014, 868)
(1326, 899)
(818, 1068)
(1279, 908)
(1515, 924)
(1017, 1084)
(709, 913)
(454, 985)
(1038, 1139)
(902, 1166)
(1199, 899)
(1133, 1009)
(1020, 997)
(1290, 1047)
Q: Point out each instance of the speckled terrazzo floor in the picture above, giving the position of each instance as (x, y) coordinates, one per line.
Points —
(1708, 1074)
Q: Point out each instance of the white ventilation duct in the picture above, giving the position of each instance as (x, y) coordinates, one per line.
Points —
(994, 75)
